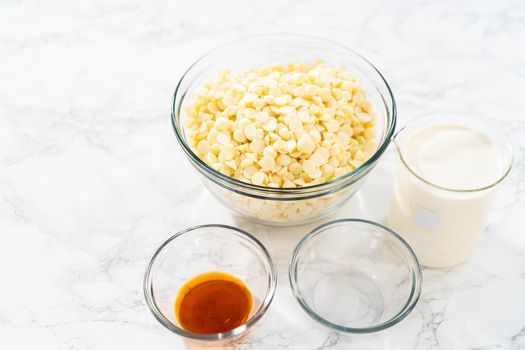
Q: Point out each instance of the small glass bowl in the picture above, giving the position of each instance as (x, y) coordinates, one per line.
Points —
(202, 249)
(355, 276)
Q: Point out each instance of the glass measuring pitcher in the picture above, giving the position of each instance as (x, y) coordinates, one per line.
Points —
(446, 179)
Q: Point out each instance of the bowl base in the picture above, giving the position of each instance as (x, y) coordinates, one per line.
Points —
(349, 298)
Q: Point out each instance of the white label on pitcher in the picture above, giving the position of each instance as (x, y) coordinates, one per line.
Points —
(426, 218)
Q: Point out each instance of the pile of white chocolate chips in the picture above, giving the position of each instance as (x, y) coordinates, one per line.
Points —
(282, 126)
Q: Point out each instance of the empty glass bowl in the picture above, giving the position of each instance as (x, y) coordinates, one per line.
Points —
(355, 276)
(202, 249)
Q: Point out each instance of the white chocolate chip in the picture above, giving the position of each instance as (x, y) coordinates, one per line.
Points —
(267, 163)
(258, 178)
(203, 147)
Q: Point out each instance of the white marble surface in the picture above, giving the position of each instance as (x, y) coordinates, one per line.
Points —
(92, 179)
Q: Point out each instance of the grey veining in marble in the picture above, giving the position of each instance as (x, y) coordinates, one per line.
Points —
(92, 179)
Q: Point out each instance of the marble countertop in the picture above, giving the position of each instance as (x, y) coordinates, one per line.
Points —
(92, 179)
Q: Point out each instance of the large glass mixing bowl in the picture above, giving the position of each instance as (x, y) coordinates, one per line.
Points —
(284, 206)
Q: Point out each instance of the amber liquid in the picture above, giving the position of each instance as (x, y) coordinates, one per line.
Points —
(214, 302)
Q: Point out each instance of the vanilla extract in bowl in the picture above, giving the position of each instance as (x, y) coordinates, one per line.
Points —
(213, 302)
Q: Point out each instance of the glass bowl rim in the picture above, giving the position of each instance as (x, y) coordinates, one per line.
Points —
(466, 116)
(416, 278)
(390, 127)
(270, 291)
